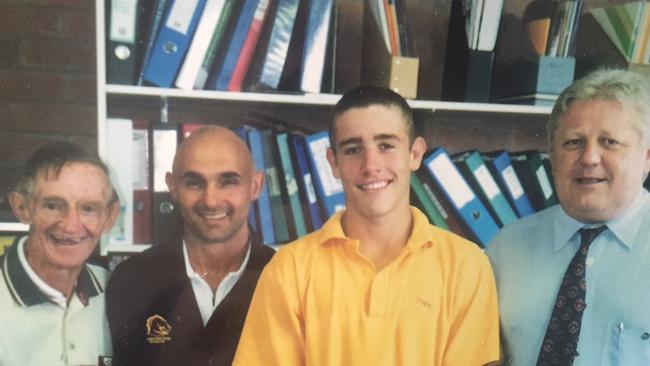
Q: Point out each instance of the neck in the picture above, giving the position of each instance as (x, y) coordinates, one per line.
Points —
(61, 279)
(380, 239)
(214, 261)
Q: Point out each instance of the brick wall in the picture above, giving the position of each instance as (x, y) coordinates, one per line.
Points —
(47, 78)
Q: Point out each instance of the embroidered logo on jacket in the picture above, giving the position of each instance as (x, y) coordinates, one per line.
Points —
(158, 329)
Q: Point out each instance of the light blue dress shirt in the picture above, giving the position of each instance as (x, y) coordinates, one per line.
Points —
(530, 257)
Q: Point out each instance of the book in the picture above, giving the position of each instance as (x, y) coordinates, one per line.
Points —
(172, 42)
(272, 52)
(142, 215)
(122, 23)
(167, 223)
(306, 187)
(406, 48)
(151, 15)
(298, 228)
(254, 209)
(250, 43)
(206, 31)
(500, 165)
(477, 175)
(423, 201)
(378, 12)
(119, 155)
(442, 204)
(316, 35)
(329, 188)
(463, 199)
(621, 23)
(347, 38)
(276, 185)
(532, 175)
(234, 45)
(264, 213)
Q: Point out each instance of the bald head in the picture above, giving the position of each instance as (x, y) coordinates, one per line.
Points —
(214, 181)
(211, 138)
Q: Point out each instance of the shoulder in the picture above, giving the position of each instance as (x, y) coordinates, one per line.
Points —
(260, 251)
(100, 273)
(153, 257)
(147, 269)
(526, 227)
(295, 258)
(447, 243)
(520, 238)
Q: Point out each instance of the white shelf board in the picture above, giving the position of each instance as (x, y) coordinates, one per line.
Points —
(122, 248)
(315, 99)
(13, 226)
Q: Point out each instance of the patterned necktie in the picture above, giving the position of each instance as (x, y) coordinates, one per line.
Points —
(561, 339)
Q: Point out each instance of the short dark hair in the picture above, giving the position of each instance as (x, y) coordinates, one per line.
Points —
(366, 96)
(51, 158)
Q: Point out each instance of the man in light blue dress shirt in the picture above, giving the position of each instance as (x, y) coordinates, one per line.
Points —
(599, 144)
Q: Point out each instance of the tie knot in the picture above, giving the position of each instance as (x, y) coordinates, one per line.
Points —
(588, 235)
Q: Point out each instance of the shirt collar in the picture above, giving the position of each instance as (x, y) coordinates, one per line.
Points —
(27, 289)
(332, 231)
(191, 273)
(625, 226)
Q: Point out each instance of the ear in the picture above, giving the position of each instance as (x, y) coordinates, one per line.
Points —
(418, 148)
(332, 160)
(171, 184)
(112, 216)
(646, 167)
(19, 206)
(256, 184)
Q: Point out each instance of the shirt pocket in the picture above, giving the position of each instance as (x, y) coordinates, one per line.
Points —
(627, 345)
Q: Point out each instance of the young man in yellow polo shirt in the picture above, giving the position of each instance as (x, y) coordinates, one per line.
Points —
(377, 284)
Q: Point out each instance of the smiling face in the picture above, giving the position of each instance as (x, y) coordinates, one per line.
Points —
(67, 215)
(599, 160)
(374, 161)
(214, 183)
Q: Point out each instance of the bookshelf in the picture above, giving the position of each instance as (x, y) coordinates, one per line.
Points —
(454, 125)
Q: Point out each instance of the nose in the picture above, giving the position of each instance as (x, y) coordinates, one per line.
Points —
(211, 196)
(71, 222)
(590, 154)
(370, 161)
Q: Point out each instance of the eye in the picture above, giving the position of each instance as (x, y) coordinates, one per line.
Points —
(384, 146)
(54, 205)
(193, 182)
(572, 143)
(609, 141)
(90, 208)
(351, 150)
(230, 181)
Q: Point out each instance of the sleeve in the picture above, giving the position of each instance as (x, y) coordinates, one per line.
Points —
(273, 333)
(474, 333)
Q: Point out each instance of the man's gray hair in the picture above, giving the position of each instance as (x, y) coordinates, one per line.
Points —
(631, 89)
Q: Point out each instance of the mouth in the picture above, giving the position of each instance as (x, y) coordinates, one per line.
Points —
(66, 240)
(589, 180)
(214, 215)
(376, 185)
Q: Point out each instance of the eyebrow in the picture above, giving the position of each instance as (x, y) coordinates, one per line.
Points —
(221, 175)
(378, 137)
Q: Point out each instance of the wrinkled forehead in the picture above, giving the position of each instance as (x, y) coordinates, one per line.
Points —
(91, 179)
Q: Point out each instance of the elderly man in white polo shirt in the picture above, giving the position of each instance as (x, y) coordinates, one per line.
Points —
(52, 308)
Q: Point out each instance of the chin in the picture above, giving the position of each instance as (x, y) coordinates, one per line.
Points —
(591, 214)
